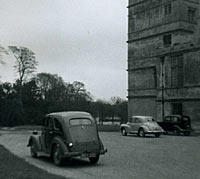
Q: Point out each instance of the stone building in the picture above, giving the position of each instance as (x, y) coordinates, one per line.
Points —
(164, 58)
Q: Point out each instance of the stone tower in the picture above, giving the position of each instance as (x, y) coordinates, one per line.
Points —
(161, 45)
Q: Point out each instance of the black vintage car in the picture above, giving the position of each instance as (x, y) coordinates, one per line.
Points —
(67, 134)
(177, 124)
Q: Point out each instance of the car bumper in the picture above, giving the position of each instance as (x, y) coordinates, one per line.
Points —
(85, 154)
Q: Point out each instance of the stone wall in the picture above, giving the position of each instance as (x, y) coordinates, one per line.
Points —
(148, 23)
(142, 107)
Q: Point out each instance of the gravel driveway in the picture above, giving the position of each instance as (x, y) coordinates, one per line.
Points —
(128, 157)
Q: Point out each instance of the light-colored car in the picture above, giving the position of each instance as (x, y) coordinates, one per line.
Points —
(67, 134)
(141, 125)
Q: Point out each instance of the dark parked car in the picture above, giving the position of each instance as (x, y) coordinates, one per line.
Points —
(176, 124)
(67, 134)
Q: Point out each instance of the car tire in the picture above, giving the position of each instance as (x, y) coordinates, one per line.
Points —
(123, 132)
(187, 133)
(157, 135)
(165, 133)
(176, 132)
(141, 132)
(57, 159)
(94, 160)
(33, 150)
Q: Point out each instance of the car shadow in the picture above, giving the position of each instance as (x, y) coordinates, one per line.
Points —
(76, 162)
(146, 136)
(70, 163)
(193, 134)
(182, 135)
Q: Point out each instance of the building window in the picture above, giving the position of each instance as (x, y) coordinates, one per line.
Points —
(167, 40)
(177, 71)
(191, 14)
(168, 9)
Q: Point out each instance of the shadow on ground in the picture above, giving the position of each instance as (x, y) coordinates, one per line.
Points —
(70, 163)
(194, 134)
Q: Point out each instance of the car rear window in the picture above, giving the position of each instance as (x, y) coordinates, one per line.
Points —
(80, 121)
(147, 119)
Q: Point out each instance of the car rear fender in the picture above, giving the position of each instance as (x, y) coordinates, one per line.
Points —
(126, 126)
(101, 144)
(61, 143)
(145, 128)
(36, 140)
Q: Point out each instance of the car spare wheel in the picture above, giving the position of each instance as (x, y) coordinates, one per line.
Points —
(57, 158)
(94, 160)
(141, 132)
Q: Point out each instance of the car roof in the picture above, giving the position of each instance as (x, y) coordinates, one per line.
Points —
(176, 116)
(70, 114)
(142, 117)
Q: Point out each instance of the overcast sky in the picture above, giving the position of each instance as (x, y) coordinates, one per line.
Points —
(80, 40)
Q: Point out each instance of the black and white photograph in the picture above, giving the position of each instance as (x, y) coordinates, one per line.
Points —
(100, 89)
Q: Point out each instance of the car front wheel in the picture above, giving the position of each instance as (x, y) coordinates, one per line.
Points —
(176, 132)
(94, 160)
(141, 132)
(186, 133)
(57, 159)
(157, 135)
(123, 132)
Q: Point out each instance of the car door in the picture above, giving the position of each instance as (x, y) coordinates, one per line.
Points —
(137, 125)
(131, 124)
(57, 128)
(48, 133)
(134, 123)
(167, 125)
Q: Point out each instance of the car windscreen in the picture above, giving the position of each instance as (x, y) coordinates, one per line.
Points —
(175, 119)
(186, 118)
(80, 121)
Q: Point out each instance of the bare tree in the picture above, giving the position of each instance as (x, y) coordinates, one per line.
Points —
(2, 51)
(25, 65)
(115, 100)
(25, 62)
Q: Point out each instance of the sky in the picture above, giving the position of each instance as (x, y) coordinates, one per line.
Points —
(80, 40)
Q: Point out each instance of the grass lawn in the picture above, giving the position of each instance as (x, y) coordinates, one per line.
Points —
(13, 167)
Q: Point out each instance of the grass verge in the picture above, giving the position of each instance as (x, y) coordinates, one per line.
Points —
(13, 167)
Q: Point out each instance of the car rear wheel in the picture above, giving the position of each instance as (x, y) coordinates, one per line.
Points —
(141, 132)
(186, 133)
(176, 132)
(123, 132)
(33, 150)
(157, 135)
(57, 159)
(94, 160)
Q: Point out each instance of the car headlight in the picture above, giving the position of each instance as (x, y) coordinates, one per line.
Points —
(70, 144)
